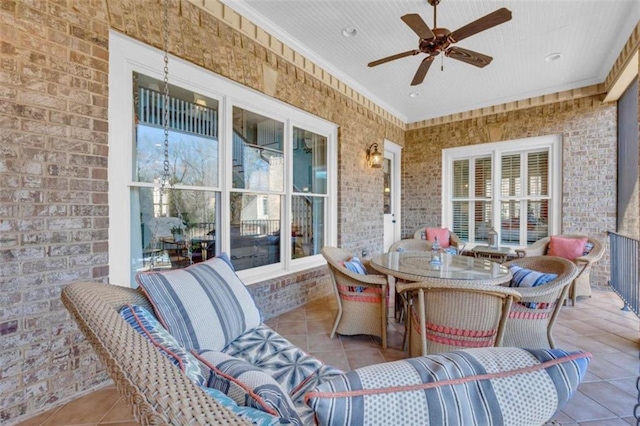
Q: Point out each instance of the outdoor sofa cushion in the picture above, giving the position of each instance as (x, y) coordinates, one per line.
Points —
(204, 306)
(484, 386)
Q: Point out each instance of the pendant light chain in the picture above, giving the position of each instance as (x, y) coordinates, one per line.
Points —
(165, 174)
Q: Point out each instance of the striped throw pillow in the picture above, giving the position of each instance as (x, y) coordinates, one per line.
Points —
(145, 323)
(204, 306)
(523, 277)
(485, 386)
(247, 385)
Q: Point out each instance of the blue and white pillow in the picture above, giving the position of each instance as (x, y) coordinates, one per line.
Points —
(355, 265)
(523, 277)
(145, 323)
(485, 386)
(247, 385)
(204, 306)
(255, 416)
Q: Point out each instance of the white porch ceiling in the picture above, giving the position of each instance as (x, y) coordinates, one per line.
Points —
(589, 33)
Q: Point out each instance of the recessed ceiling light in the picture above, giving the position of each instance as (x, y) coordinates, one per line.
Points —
(414, 94)
(349, 32)
(553, 57)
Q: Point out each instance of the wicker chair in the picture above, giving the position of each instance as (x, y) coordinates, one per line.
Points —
(359, 312)
(159, 393)
(454, 240)
(581, 285)
(530, 327)
(456, 315)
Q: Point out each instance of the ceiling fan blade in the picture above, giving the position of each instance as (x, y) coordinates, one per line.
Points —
(468, 56)
(393, 57)
(415, 22)
(422, 71)
(498, 17)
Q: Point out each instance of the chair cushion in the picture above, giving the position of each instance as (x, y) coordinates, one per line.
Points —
(146, 324)
(355, 265)
(204, 306)
(253, 415)
(441, 233)
(485, 386)
(247, 385)
(569, 248)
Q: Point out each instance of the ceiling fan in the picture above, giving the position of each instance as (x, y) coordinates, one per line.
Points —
(440, 40)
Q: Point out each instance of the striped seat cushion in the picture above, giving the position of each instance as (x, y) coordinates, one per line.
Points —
(145, 323)
(523, 277)
(247, 385)
(485, 386)
(204, 306)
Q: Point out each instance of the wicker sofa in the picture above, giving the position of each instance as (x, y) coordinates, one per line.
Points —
(160, 393)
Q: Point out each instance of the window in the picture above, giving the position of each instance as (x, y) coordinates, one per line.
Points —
(523, 207)
(247, 175)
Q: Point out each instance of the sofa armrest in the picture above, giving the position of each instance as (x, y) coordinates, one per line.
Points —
(473, 386)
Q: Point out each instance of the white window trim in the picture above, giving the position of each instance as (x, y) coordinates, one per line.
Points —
(126, 56)
(496, 149)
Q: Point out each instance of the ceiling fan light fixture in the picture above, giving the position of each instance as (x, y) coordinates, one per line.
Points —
(553, 57)
(349, 32)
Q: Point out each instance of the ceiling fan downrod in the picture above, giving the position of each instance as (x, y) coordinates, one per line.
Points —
(434, 3)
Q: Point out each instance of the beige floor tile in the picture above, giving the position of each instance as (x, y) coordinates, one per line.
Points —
(626, 361)
(38, 419)
(120, 412)
(618, 342)
(581, 408)
(606, 370)
(609, 422)
(589, 344)
(581, 328)
(320, 316)
(616, 400)
(336, 359)
(88, 409)
(299, 340)
(320, 342)
(359, 341)
(628, 385)
(319, 327)
(363, 357)
(296, 315)
(292, 328)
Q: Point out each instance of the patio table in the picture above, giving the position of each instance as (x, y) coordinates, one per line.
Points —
(417, 266)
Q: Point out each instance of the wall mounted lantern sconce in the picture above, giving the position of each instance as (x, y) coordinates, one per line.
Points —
(374, 157)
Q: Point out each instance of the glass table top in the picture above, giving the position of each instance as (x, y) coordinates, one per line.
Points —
(417, 266)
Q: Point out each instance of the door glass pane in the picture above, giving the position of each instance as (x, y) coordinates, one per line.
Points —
(386, 195)
(255, 230)
(461, 219)
(511, 183)
(538, 173)
(510, 222)
(537, 220)
(193, 135)
(258, 160)
(460, 178)
(172, 229)
(309, 162)
(307, 225)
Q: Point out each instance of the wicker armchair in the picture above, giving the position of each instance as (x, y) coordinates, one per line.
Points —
(359, 312)
(531, 320)
(581, 285)
(411, 244)
(454, 240)
(456, 315)
(159, 393)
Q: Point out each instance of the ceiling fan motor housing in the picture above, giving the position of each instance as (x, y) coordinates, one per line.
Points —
(436, 45)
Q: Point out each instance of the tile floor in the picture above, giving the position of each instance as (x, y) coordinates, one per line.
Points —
(605, 398)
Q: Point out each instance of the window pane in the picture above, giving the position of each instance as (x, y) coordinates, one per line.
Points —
(483, 177)
(482, 220)
(510, 185)
(461, 219)
(307, 226)
(258, 160)
(193, 135)
(460, 178)
(386, 191)
(537, 220)
(510, 222)
(309, 162)
(172, 229)
(255, 236)
(538, 173)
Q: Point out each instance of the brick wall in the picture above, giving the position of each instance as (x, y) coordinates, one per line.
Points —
(588, 130)
(53, 172)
